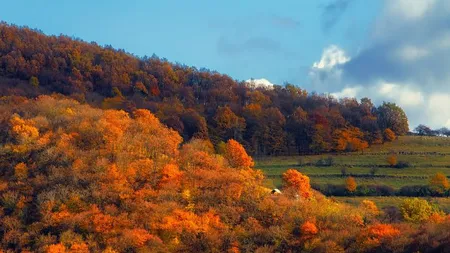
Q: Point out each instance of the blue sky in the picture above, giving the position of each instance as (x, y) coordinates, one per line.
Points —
(388, 50)
(275, 40)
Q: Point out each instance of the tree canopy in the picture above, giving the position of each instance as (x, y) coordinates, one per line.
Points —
(197, 103)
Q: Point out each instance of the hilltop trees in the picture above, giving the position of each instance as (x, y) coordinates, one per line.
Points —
(393, 117)
(196, 103)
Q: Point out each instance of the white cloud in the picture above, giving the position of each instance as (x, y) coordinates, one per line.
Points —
(404, 95)
(259, 83)
(437, 105)
(326, 72)
(331, 56)
(347, 92)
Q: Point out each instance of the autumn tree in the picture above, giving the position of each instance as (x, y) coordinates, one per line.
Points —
(298, 182)
(236, 155)
(229, 125)
(389, 135)
(350, 139)
(350, 184)
(392, 160)
(439, 183)
(415, 209)
(370, 206)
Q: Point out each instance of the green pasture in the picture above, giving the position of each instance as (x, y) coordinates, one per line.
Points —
(426, 156)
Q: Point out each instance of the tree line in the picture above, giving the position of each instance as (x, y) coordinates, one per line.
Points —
(197, 103)
(423, 130)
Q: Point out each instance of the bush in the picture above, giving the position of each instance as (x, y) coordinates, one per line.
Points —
(331, 189)
(416, 210)
(325, 162)
(402, 165)
(375, 190)
(414, 191)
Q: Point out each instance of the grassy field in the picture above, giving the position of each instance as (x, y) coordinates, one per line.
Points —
(426, 156)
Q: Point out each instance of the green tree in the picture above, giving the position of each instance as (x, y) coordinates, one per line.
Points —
(392, 116)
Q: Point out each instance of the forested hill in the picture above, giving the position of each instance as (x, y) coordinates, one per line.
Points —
(196, 103)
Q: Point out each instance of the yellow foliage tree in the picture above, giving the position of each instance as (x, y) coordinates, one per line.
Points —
(370, 206)
(439, 182)
(416, 210)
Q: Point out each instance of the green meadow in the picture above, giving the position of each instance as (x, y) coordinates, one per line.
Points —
(426, 156)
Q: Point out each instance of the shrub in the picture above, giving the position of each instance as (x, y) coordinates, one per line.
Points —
(392, 160)
(414, 191)
(416, 210)
(325, 162)
(402, 165)
(375, 190)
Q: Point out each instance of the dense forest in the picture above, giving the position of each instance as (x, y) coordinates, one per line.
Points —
(199, 104)
(80, 179)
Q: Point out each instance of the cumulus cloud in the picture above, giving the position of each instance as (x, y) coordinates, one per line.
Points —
(327, 71)
(405, 60)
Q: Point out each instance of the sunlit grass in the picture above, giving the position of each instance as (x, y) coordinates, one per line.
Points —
(429, 156)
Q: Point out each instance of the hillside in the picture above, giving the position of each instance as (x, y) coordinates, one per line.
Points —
(81, 179)
(196, 103)
(103, 151)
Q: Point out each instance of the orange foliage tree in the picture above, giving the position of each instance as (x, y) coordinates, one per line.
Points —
(392, 160)
(439, 182)
(297, 181)
(349, 139)
(389, 135)
(350, 184)
(236, 155)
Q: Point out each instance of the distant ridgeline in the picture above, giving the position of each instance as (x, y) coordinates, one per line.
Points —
(196, 103)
